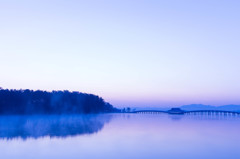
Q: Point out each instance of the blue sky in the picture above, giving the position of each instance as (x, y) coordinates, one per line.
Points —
(132, 53)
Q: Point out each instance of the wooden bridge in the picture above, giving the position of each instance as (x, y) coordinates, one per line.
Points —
(180, 111)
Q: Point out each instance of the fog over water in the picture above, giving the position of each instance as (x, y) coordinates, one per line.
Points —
(24, 127)
(120, 136)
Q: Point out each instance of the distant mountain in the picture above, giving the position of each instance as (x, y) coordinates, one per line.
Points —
(230, 107)
(197, 107)
(193, 107)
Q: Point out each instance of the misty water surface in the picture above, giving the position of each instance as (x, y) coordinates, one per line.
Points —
(120, 136)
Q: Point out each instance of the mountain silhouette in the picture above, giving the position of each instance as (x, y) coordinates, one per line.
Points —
(193, 107)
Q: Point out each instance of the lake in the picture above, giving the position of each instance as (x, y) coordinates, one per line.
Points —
(120, 136)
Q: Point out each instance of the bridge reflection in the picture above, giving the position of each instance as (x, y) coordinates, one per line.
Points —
(212, 112)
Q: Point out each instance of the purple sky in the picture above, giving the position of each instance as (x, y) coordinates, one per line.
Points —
(132, 53)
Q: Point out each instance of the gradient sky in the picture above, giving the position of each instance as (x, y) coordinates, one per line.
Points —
(130, 52)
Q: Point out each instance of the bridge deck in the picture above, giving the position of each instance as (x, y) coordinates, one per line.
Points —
(187, 112)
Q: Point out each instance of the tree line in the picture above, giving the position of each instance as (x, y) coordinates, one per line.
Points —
(55, 102)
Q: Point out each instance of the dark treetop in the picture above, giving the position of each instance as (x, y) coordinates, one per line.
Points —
(55, 102)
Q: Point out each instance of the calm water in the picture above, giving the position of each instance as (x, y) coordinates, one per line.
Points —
(119, 136)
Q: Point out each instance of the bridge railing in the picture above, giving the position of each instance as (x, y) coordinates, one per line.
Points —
(187, 112)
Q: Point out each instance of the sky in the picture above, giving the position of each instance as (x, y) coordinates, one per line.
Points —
(134, 53)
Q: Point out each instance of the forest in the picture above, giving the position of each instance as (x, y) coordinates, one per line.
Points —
(55, 102)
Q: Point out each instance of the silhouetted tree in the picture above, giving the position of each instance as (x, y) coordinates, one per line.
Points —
(123, 110)
(55, 102)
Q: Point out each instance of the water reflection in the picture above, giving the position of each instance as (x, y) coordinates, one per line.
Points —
(141, 136)
(212, 116)
(176, 117)
(196, 116)
(50, 125)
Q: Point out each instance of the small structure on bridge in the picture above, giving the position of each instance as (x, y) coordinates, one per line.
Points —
(176, 111)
